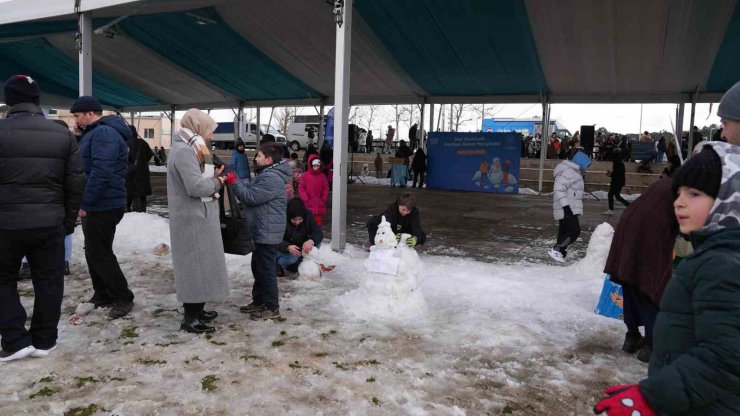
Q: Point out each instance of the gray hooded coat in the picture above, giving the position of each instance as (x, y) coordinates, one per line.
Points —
(195, 229)
(266, 202)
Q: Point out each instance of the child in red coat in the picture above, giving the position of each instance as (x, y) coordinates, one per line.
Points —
(313, 188)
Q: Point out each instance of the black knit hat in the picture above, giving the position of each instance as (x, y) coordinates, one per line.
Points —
(296, 208)
(86, 104)
(702, 171)
(21, 89)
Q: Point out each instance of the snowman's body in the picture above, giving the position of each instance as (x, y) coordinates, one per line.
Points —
(390, 286)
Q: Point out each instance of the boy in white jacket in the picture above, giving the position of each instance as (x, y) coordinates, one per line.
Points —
(567, 202)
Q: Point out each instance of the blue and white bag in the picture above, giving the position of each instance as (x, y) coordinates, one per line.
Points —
(611, 300)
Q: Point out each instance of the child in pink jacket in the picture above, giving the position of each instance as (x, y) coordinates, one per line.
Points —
(314, 188)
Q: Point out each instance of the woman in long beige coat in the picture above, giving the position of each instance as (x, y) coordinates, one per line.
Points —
(192, 195)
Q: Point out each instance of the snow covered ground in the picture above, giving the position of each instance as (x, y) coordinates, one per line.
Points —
(517, 339)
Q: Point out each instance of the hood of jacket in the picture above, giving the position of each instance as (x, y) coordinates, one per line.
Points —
(726, 210)
(282, 168)
(309, 168)
(565, 165)
(117, 123)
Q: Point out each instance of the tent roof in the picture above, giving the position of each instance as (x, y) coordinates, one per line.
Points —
(217, 53)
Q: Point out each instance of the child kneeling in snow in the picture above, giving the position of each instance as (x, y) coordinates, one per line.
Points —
(567, 202)
(696, 341)
(302, 234)
(403, 217)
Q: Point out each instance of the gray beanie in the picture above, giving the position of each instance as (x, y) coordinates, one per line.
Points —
(729, 106)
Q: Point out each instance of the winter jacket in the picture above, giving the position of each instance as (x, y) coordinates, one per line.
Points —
(195, 229)
(239, 164)
(378, 163)
(307, 230)
(568, 189)
(648, 225)
(41, 175)
(105, 155)
(404, 152)
(266, 203)
(695, 366)
(138, 182)
(419, 164)
(314, 189)
(618, 178)
(409, 224)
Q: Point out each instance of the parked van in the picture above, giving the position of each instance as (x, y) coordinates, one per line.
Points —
(225, 138)
(302, 131)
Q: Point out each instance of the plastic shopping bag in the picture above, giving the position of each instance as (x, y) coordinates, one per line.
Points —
(610, 302)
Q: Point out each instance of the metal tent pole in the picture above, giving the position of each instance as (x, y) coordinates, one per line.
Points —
(320, 139)
(420, 130)
(85, 49)
(679, 131)
(544, 134)
(172, 127)
(343, 18)
(694, 96)
(240, 123)
(259, 129)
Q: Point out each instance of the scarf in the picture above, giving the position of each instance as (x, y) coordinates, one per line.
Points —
(205, 159)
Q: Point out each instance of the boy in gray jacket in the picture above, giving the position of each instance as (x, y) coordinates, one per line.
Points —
(266, 205)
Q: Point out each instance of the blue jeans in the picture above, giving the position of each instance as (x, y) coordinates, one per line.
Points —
(286, 259)
(265, 289)
(661, 155)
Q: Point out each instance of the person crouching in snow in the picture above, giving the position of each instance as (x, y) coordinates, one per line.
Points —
(404, 217)
(266, 203)
(313, 188)
(694, 367)
(567, 202)
(302, 234)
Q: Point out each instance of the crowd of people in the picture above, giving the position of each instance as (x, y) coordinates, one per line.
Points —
(685, 293)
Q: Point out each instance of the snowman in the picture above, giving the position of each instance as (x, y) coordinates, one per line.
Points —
(500, 176)
(390, 286)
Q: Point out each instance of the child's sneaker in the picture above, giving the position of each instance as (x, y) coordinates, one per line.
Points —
(556, 255)
(609, 212)
(17, 355)
(39, 353)
(265, 314)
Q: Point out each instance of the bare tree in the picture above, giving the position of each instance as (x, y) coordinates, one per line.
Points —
(398, 113)
(369, 115)
(283, 117)
(460, 114)
(484, 111)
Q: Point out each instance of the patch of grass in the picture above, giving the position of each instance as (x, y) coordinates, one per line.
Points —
(246, 357)
(45, 392)
(208, 382)
(320, 354)
(117, 379)
(165, 345)
(363, 339)
(47, 379)
(214, 342)
(149, 361)
(283, 333)
(339, 366)
(82, 411)
(81, 381)
(507, 410)
(280, 319)
(295, 364)
(278, 343)
(371, 380)
(194, 359)
(129, 332)
(376, 401)
(367, 362)
(26, 293)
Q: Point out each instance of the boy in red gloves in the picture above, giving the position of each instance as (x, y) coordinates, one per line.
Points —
(695, 365)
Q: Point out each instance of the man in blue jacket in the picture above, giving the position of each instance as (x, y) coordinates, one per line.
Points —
(105, 155)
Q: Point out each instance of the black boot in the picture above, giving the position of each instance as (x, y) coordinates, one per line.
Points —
(196, 327)
(632, 342)
(279, 272)
(66, 268)
(207, 316)
(645, 352)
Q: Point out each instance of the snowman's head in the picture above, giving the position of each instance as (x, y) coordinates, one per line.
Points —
(385, 238)
(496, 163)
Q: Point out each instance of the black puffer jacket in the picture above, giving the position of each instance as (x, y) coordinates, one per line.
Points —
(409, 224)
(306, 230)
(41, 173)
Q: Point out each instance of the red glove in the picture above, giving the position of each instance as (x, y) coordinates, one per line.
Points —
(624, 400)
(231, 178)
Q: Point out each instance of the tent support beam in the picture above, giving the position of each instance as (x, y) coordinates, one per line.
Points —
(691, 122)
(543, 138)
(85, 50)
(679, 131)
(259, 129)
(341, 107)
(240, 121)
(431, 123)
(320, 139)
(172, 127)
(420, 130)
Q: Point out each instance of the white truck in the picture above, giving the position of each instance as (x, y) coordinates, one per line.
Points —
(225, 136)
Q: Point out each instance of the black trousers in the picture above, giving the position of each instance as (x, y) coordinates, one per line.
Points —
(420, 176)
(615, 192)
(136, 204)
(265, 289)
(44, 250)
(639, 311)
(568, 231)
(193, 310)
(108, 281)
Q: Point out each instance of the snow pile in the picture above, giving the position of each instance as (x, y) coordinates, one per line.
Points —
(597, 252)
(390, 287)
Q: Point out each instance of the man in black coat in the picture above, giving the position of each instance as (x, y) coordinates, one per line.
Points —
(138, 183)
(302, 234)
(412, 135)
(403, 216)
(41, 183)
